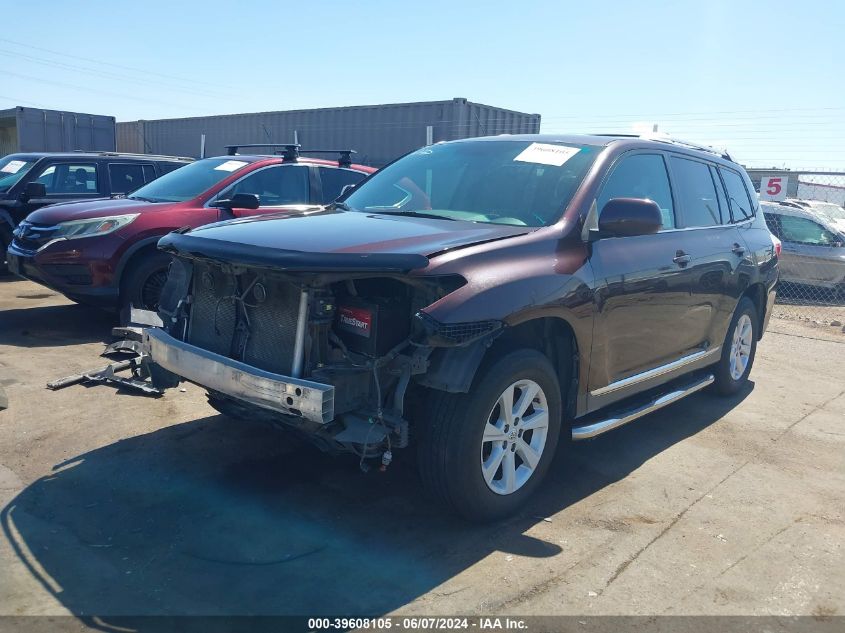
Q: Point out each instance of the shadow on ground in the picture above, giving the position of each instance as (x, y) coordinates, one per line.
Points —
(54, 326)
(217, 517)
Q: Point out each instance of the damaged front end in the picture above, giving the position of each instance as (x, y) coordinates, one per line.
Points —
(327, 345)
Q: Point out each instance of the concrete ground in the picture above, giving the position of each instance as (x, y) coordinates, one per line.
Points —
(120, 504)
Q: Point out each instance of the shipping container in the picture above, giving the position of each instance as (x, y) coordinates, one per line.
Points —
(36, 130)
(379, 133)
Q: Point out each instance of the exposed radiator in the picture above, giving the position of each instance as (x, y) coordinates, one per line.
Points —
(271, 305)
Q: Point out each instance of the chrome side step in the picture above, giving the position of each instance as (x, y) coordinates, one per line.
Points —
(608, 424)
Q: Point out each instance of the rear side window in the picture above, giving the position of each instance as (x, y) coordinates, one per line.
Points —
(69, 178)
(334, 179)
(149, 173)
(641, 176)
(166, 168)
(773, 222)
(740, 202)
(696, 193)
(125, 177)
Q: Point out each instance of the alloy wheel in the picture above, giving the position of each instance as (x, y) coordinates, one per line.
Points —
(151, 289)
(514, 437)
(741, 346)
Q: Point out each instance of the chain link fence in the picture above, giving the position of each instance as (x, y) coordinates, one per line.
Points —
(806, 211)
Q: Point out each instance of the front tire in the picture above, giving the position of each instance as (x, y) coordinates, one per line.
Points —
(5, 241)
(485, 452)
(738, 350)
(143, 281)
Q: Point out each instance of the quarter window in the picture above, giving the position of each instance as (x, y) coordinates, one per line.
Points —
(740, 202)
(696, 192)
(334, 179)
(274, 186)
(69, 178)
(641, 176)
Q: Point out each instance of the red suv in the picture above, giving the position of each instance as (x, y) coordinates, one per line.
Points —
(103, 252)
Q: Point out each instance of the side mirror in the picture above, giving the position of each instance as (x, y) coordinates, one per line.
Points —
(622, 217)
(240, 201)
(34, 190)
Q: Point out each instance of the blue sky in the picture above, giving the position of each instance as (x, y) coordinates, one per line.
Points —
(764, 79)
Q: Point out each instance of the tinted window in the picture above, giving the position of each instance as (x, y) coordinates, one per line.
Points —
(696, 192)
(804, 231)
(189, 181)
(125, 177)
(335, 179)
(499, 182)
(69, 178)
(740, 202)
(166, 168)
(641, 176)
(274, 186)
(149, 173)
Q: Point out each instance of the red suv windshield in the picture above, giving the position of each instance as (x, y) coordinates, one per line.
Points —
(189, 181)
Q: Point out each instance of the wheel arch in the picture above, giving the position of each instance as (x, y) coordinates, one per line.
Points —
(455, 369)
(756, 292)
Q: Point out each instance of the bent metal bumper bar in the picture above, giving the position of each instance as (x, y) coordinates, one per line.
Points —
(292, 396)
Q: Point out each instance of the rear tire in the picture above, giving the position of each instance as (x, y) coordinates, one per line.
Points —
(143, 280)
(738, 350)
(478, 459)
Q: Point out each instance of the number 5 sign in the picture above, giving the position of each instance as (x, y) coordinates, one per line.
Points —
(773, 187)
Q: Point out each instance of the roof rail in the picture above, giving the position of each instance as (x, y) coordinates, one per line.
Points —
(130, 154)
(291, 151)
(665, 138)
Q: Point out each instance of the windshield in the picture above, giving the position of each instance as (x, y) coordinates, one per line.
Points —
(12, 169)
(498, 182)
(187, 182)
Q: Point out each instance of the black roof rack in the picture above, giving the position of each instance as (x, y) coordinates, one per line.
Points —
(291, 151)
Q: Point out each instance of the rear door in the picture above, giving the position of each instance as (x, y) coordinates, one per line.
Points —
(721, 265)
(277, 187)
(332, 180)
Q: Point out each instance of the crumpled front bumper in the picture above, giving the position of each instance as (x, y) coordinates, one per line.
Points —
(291, 396)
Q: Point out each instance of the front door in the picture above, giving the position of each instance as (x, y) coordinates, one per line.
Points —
(277, 186)
(644, 297)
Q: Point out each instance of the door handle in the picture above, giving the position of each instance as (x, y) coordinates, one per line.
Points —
(681, 258)
(738, 249)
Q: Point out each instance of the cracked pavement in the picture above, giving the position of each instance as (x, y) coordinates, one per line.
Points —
(121, 504)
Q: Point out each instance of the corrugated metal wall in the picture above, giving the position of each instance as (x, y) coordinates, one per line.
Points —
(379, 133)
(37, 130)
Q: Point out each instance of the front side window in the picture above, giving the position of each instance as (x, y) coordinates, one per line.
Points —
(125, 177)
(696, 193)
(804, 231)
(740, 202)
(497, 182)
(274, 186)
(69, 178)
(640, 176)
(189, 181)
(12, 169)
(334, 179)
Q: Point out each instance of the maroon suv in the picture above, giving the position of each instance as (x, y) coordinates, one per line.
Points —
(485, 300)
(103, 252)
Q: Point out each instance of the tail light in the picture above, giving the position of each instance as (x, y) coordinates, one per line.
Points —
(776, 243)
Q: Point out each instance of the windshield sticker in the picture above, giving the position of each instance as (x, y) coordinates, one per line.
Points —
(546, 154)
(13, 166)
(230, 165)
